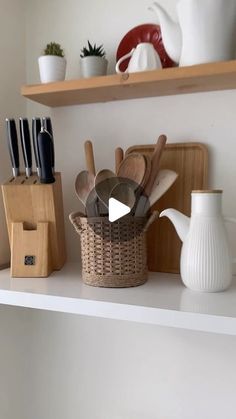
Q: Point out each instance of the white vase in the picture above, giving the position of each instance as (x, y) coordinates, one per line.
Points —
(93, 66)
(206, 261)
(51, 68)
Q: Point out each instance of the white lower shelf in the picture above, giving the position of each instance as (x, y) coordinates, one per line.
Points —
(163, 300)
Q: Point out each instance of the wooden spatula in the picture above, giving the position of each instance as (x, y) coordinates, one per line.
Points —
(164, 180)
(155, 164)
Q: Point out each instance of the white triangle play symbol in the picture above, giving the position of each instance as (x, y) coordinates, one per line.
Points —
(117, 209)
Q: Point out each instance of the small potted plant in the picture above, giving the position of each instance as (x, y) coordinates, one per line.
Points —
(93, 61)
(52, 65)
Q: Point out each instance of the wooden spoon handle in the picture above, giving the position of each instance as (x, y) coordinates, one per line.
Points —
(155, 160)
(88, 148)
(119, 157)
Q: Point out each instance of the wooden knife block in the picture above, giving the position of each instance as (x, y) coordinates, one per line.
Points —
(30, 251)
(35, 221)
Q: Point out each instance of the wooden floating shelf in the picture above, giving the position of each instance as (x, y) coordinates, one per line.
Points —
(169, 81)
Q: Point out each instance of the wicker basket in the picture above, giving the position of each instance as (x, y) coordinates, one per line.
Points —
(113, 254)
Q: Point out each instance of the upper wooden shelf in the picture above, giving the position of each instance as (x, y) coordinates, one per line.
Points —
(169, 81)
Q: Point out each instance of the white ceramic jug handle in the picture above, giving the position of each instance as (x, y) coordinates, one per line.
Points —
(122, 59)
(231, 220)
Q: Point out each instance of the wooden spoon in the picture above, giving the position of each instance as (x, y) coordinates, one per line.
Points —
(84, 187)
(155, 160)
(124, 193)
(90, 164)
(162, 183)
(134, 168)
(105, 181)
(119, 157)
(147, 172)
(89, 155)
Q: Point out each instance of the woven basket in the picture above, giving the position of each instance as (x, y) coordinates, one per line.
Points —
(113, 254)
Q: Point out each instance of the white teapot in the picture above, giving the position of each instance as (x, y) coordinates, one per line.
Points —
(204, 32)
(206, 262)
(144, 57)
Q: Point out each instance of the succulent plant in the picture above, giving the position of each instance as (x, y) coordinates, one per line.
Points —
(92, 50)
(54, 49)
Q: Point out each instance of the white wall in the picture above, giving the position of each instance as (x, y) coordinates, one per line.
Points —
(13, 343)
(209, 118)
(98, 369)
(12, 76)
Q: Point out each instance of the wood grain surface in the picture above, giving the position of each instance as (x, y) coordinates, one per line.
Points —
(31, 202)
(190, 161)
(161, 82)
(30, 244)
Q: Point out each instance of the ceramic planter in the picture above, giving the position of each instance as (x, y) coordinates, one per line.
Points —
(51, 68)
(93, 66)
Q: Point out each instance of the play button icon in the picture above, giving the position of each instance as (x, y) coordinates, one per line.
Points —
(113, 210)
(117, 210)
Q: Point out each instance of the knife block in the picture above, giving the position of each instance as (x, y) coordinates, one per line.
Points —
(35, 222)
(30, 251)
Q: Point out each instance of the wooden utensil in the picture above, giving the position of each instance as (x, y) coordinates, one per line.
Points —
(148, 170)
(89, 155)
(162, 183)
(155, 163)
(155, 160)
(105, 181)
(92, 201)
(134, 168)
(84, 187)
(190, 161)
(124, 193)
(119, 156)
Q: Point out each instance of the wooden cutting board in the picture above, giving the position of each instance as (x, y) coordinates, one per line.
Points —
(190, 161)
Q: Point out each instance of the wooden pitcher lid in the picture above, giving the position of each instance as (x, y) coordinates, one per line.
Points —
(209, 191)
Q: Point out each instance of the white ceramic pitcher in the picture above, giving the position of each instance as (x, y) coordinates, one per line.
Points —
(206, 262)
(204, 32)
(144, 57)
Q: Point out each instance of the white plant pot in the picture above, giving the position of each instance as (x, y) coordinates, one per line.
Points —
(93, 66)
(51, 68)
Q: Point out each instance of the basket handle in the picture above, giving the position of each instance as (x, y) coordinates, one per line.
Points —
(74, 217)
(154, 216)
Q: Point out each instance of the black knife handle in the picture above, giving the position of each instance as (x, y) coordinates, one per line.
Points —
(36, 128)
(26, 145)
(45, 157)
(47, 125)
(13, 145)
